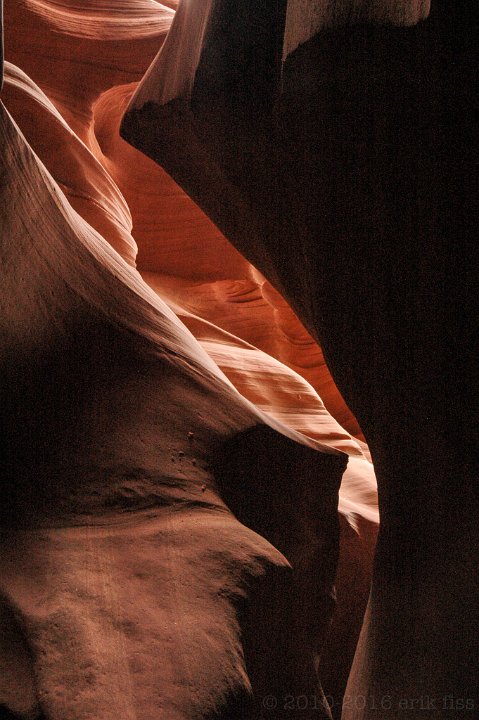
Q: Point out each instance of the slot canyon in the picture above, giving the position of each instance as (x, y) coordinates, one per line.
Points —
(238, 360)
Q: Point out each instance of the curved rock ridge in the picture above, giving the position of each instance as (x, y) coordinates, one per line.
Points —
(260, 378)
(168, 226)
(117, 482)
(110, 53)
(92, 192)
(285, 395)
(104, 19)
(175, 238)
(362, 212)
(180, 53)
(129, 303)
(70, 117)
(197, 268)
(89, 188)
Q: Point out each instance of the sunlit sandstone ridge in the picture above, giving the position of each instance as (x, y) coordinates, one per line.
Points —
(174, 236)
(126, 575)
(346, 171)
(136, 470)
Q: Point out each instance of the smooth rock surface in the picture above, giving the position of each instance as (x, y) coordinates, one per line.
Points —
(353, 188)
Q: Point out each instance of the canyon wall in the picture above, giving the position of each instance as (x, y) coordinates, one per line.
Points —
(176, 447)
(348, 175)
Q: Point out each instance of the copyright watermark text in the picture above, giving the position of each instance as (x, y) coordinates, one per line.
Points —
(362, 702)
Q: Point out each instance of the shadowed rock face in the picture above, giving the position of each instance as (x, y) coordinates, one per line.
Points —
(129, 582)
(168, 530)
(183, 253)
(355, 193)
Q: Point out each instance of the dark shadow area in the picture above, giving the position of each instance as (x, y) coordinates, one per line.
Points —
(356, 196)
(288, 494)
(6, 714)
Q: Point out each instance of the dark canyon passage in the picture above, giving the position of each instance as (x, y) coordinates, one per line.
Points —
(189, 372)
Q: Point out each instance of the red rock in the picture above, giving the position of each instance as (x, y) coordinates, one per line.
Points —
(347, 173)
(124, 544)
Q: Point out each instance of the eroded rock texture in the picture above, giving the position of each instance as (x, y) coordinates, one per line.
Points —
(121, 562)
(348, 175)
(169, 524)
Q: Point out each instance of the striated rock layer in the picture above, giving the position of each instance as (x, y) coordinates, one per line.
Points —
(137, 471)
(132, 587)
(174, 237)
(348, 176)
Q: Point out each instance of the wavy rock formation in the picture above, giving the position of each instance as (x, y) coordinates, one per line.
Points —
(347, 175)
(104, 384)
(193, 264)
(174, 236)
(128, 578)
(88, 187)
(73, 54)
